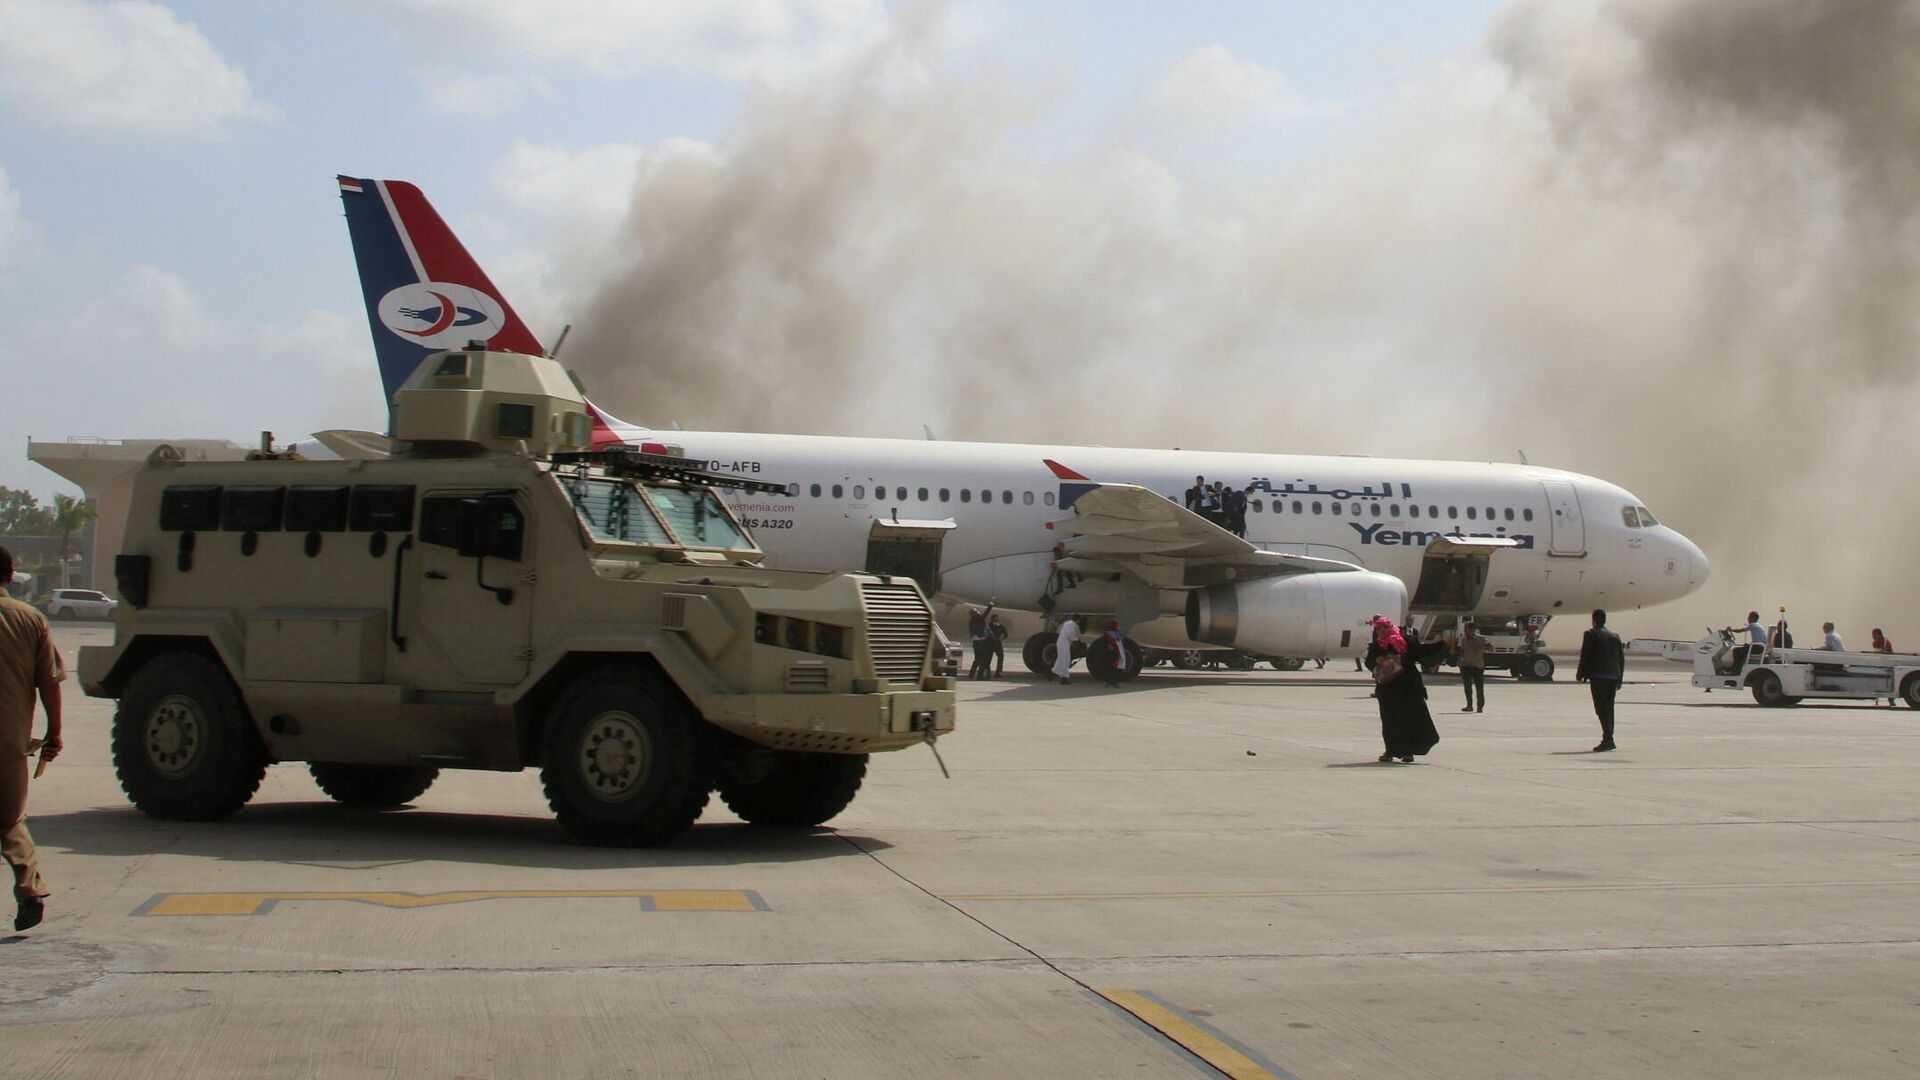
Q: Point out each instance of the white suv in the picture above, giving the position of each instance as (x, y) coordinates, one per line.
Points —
(80, 604)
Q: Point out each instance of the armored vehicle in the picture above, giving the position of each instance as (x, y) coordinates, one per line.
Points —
(494, 593)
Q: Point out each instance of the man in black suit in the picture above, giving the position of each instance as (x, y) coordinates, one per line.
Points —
(1603, 662)
(1196, 493)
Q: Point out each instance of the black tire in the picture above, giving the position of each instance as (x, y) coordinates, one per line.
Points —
(1288, 663)
(1101, 661)
(1190, 659)
(792, 789)
(1768, 691)
(183, 745)
(372, 787)
(66, 613)
(1910, 691)
(1539, 668)
(625, 763)
(1037, 654)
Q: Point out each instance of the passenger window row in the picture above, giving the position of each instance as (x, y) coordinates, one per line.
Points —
(1413, 510)
(900, 494)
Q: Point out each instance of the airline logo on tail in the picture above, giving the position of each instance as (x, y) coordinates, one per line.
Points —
(423, 291)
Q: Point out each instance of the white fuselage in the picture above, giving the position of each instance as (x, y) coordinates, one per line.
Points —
(1576, 550)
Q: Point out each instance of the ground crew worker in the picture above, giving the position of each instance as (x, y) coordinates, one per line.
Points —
(1063, 662)
(1603, 664)
(29, 664)
(1472, 658)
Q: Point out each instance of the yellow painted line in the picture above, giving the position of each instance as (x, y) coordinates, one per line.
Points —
(260, 903)
(1198, 1041)
(1488, 890)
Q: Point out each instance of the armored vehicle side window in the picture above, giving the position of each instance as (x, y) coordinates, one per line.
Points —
(697, 518)
(190, 506)
(316, 509)
(251, 509)
(382, 507)
(613, 510)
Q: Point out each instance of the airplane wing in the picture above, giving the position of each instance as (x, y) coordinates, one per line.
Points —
(1130, 528)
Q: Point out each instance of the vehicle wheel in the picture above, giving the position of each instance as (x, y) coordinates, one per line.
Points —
(373, 787)
(1189, 659)
(65, 613)
(1539, 667)
(1288, 663)
(183, 746)
(1768, 691)
(625, 765)
(1038, 654)
(1240, 661)
(1136, 660)
(791, 789)
(1910, 691)
(1101, 661)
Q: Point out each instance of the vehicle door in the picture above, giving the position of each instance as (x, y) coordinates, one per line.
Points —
(1568, 528)
(469, 601)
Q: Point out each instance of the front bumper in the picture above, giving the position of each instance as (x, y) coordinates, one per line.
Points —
(835, 723)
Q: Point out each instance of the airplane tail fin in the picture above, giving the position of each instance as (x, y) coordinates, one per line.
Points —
(424, 293)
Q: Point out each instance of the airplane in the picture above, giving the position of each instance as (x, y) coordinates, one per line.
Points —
(1330, 541)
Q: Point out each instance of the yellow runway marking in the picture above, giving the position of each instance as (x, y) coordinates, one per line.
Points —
(1198, 1041)
(1486, 890)
(260, 903)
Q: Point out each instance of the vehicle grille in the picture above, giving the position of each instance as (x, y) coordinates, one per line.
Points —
(899, 629)
(807, 678)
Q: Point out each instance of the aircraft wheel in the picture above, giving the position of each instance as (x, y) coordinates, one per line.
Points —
(1136, 659)
(1910, 691)
(372, 787)
(182, 743)
(625, 766)
(1539, 667)
(1037, 654)
(1288, 663)
(1189, 659)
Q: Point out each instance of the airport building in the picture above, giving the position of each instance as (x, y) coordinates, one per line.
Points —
(104, 468)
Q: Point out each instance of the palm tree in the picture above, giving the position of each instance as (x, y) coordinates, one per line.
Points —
(70, 515)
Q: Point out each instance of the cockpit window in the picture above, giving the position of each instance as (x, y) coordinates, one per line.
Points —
(1631, 515)
(614, 510)
(1646, 517)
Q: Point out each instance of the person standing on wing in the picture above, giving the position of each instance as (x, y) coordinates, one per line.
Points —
(1063, 663)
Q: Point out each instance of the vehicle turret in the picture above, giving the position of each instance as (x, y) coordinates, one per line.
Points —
(472, 401)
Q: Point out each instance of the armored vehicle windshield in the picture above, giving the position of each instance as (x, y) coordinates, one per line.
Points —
(617, 510)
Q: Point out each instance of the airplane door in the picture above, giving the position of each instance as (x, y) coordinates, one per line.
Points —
(1568, 528)
(472, 602)
(909, 549)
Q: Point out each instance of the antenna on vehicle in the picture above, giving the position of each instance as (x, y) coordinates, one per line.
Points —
(1523, 457)
(564, 331)
(929, 430)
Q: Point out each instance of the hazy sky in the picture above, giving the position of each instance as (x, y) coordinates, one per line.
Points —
(1672, 243)
(172, 259)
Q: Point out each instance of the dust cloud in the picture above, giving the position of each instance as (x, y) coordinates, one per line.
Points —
(1672, 244)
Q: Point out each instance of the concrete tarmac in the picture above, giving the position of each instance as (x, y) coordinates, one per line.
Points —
(1200, 874)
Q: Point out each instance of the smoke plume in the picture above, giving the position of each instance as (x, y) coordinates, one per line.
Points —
(1668, 242)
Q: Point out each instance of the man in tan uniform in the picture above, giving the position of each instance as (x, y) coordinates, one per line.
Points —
(28, 664)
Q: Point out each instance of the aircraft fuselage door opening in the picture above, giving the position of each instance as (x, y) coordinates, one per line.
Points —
(1325, 542)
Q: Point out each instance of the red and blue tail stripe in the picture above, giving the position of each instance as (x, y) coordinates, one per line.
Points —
(423, 291)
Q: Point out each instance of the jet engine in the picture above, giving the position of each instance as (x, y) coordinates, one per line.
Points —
(1324, 614)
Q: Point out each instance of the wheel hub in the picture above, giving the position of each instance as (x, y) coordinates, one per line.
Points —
(614, 756)
(175, 731)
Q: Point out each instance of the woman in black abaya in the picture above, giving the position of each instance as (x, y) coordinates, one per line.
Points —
(1405, 724)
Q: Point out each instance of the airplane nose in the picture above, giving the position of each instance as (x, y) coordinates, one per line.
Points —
(1697, 566)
